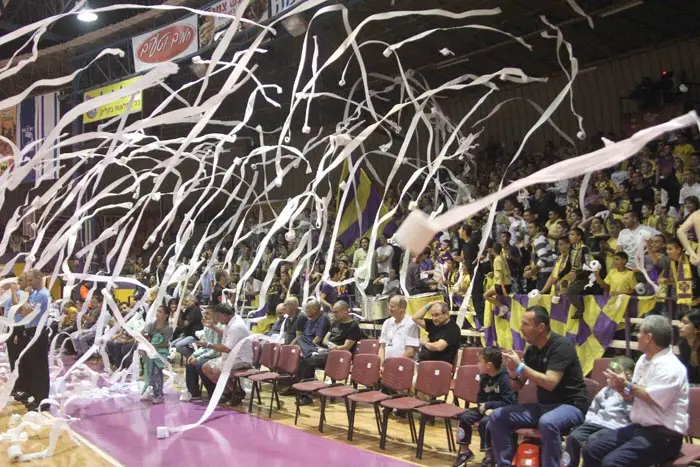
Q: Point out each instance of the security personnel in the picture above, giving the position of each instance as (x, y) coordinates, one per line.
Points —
(34, 364)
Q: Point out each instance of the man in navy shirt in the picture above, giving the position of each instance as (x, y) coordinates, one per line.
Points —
(16, 343)
(34, 365)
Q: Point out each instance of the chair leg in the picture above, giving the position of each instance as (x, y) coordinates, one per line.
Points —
(378, 419)
(412, 426)
(351, 419)
(421, 438)
(258, 392)
(297, 410)
(272, 397)
(385, 425)
(252, 396)
(347, 408)
(322, 417)
(450, 440)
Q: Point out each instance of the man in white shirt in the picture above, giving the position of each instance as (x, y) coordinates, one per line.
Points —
(385, 253)
(659, 395)
(691, 187)
(400, 335)
(628, 239)
(235, 331)
(359, 257)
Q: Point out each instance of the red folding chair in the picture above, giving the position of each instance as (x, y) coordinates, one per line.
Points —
(268, 358)
(257, 351)
(433, 380)
(397, 376)
(599, 367)
(287, 368)
(370, 346)
(337, 369)
(470, 356)
(690, 453)
(467, 389)
(365, 372)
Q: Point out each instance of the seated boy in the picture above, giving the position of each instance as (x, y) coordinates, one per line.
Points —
(494, 391)
(608, 411)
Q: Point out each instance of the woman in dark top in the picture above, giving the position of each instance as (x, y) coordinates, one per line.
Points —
(689, 344)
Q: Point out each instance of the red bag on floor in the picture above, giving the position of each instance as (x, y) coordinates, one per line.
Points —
(527, 455)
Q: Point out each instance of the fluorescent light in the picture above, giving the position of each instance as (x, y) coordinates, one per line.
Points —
(621, 8)
(87, 16)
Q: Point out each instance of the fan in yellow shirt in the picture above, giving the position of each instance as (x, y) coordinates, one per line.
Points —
(619, 280)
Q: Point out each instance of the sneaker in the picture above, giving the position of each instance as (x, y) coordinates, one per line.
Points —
(195, 398)
(488, 460)
(146, 396)
(157, 400)
(463, 457)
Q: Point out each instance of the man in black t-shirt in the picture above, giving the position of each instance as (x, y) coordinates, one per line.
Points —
(443, 334)
(343, 335)
(190, 322)
(551, 363)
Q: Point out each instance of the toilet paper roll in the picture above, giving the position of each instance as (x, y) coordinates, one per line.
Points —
(162, 432)
(14, 452)
(555, 299)
(416, 232)
(534, 294)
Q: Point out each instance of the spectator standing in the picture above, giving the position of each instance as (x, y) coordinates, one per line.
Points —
(159, 334)
(551, 363)
(628, 239)
(659, 394)
(222, 279)
(690, 187)
(542, 258)
(385, 255)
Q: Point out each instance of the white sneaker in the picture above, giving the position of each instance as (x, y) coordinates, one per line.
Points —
(185, 396)
(147, 396)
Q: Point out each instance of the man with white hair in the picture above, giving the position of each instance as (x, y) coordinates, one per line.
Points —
(659, 394)
(400, 335)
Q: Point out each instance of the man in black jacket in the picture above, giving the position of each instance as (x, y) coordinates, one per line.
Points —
(573, 272)
(494, 391)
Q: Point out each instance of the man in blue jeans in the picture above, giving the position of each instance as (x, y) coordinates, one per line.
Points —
(551, 363)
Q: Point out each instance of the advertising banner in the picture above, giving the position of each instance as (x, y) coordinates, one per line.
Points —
(278, 6)
(166, 44)
(114, 108)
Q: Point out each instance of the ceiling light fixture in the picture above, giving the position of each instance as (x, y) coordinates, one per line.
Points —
(86, 15)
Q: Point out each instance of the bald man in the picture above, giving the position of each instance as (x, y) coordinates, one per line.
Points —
(400, 335)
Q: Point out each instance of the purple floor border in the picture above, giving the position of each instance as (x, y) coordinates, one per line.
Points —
(125, 428)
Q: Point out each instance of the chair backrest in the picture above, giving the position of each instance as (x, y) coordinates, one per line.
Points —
(592, 388)
(599, 367)
(528, 393)
(365, 369)
(470, 356)
(370, 346)
(257, 350)
(338, 365)
(694, 412)
(270, 355)
(289, 356)
(398, 373)
(434, 378)
(466, 384)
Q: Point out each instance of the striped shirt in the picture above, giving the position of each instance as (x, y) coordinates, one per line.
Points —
(542, 254)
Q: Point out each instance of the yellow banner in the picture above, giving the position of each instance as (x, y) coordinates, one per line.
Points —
(114, 108)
